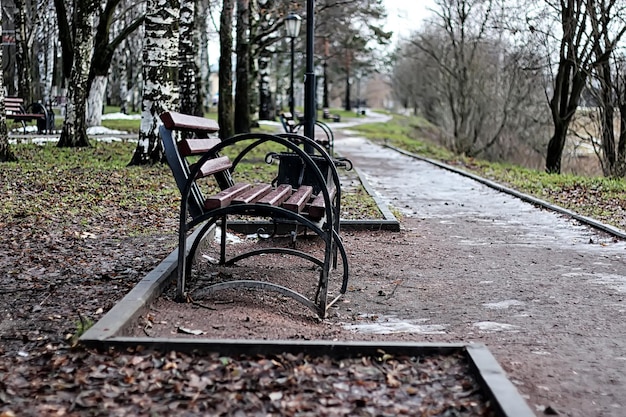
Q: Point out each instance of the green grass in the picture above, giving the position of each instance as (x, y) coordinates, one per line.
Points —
(85, 185)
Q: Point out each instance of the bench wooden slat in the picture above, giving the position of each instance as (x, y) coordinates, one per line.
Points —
(225, 197)
(213, 166)
(277, 196)
(188, 147)
(298, 199)
(24, 116)
(317, 208)
(253, 194)
(188, 123)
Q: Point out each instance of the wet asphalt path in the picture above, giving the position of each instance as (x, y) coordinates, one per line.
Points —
(543, 292)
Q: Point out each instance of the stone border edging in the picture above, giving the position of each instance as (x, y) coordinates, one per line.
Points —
(614, 231)
(492, 379)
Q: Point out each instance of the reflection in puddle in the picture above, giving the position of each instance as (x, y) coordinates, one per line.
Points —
(374, 324)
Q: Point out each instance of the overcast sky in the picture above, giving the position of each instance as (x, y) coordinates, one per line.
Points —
(405, 16)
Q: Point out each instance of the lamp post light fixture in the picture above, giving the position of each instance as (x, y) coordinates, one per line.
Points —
(292, 29)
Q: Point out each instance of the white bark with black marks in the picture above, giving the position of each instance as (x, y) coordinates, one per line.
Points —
(160, 74)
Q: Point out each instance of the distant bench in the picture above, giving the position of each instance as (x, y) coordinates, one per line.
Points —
(326, 139)
(326, 114)
(15, 110)
(305, 193)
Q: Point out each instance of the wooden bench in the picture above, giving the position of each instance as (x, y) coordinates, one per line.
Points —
(288, 122)
(201, 163)
(326, 114)
(16, 110)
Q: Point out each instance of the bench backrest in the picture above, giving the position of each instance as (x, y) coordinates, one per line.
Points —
(176, 152)
(14, 105)
(288, 122)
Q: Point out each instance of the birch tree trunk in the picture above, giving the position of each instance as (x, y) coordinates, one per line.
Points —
(160, 74)
(6, 155)
(266, 107)
(122, 63)
(74, 133)
(95, 100)
(266, 52)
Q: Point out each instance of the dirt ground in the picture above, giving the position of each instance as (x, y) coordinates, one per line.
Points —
(543, 293)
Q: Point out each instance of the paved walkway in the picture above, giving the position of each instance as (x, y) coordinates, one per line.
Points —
(544, 293)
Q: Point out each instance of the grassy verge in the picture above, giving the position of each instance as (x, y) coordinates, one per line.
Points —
(598, 197)
(60, 185)
(86, 185)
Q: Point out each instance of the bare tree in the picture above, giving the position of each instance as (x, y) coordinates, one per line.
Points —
(225, 103)
(585, 25)
(607, 89)
(242, 88)
(465, 73)
(22, 52)
(6, 154)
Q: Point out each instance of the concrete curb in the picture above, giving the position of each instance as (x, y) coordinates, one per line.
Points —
(614, 231)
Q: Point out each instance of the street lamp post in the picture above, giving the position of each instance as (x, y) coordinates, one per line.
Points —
(309, 81)
(292, 28)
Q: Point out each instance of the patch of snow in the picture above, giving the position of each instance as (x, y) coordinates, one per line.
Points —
(501, 305)
(492, 326)
(121, 116)
(392, 325)
(101, 130)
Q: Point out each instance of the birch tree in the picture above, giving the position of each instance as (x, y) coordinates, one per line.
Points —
(160, 74)
(74, 132)
(583, 24)
(105, 44)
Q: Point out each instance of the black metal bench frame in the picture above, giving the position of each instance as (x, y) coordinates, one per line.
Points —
(194, 215)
